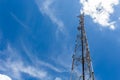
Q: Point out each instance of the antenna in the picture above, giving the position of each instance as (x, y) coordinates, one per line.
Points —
(82, 68)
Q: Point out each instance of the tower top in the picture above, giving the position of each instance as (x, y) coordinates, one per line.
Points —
(81, 21)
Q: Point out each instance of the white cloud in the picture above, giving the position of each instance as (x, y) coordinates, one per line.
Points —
(57, 78)
(4, 77)
(119, 18)
(100, 11)
(112, 27)
(14, 68)
(18, 67)
(46, 8)
(14, 65)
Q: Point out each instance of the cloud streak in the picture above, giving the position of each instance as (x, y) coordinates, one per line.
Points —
(18, 67)
(100, 11)
(18, 20)
(38, 61)
(46, 8)
(15, 65)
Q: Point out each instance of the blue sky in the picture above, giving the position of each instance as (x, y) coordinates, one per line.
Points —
(37, 39)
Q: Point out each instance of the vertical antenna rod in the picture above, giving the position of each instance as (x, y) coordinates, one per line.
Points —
(82, 41)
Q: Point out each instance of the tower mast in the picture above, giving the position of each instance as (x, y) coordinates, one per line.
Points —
(81, 65)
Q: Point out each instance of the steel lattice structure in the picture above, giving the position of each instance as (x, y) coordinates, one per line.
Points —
(81, 65)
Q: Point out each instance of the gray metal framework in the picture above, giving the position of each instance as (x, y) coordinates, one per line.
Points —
(81, 65)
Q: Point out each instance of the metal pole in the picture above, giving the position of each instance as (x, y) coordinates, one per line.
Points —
(82, 41)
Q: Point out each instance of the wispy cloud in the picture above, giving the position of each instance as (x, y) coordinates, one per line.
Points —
(18, 67)
(37, 61)
(64, 59)
(4, 77)
(100, 11)
(18, 20)
(15, 65)
(46, 8)
(50, 66)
